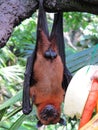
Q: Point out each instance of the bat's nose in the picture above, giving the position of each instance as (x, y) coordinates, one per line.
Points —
(49, 112)
(49, 109)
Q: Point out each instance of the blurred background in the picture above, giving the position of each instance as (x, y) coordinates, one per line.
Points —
(80, 33)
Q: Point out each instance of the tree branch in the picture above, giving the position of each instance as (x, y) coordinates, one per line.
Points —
(12, 12)
(72, 5)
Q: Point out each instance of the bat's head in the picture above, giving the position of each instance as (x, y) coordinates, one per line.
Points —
(49, 115)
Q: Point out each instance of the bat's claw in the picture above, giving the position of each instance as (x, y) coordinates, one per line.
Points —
(62, 121)
(26, 109)
(39, 124)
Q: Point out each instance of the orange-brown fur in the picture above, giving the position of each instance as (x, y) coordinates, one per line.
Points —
(49, 75)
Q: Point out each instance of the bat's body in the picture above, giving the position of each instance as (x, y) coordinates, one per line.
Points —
(46, 75)
(47, 91)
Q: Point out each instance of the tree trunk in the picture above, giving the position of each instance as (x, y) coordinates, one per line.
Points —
(12, 12)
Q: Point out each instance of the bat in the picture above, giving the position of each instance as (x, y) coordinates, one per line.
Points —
(46, 76)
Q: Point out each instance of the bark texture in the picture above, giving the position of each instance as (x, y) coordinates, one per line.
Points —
(12, 12)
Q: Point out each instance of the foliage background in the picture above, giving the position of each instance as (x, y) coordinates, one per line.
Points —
(80, 32)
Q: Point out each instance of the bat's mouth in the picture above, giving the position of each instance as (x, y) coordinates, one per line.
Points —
(50, 115)
(61, 121)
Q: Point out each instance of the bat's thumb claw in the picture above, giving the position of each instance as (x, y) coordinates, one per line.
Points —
(26, 111)
(62, 121)
(39, 124)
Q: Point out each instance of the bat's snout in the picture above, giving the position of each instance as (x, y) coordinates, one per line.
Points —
(49, 115)
(48, 112)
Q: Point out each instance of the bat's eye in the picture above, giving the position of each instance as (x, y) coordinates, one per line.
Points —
(50, 54)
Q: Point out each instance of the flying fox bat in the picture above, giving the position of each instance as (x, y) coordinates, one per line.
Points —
(46, 75)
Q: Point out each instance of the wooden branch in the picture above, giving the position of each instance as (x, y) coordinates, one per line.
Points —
(12, 12)
(90, 6)
(91, 1)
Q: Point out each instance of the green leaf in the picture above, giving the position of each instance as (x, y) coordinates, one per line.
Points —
(18, 122)
(12, 113)
(2, 112)
(12, 100)
(11, 73)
